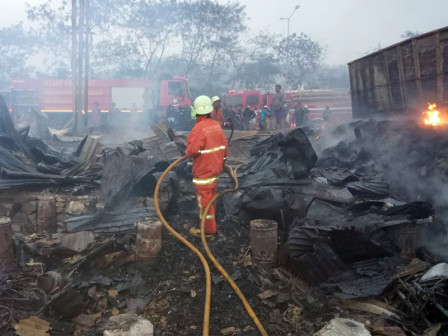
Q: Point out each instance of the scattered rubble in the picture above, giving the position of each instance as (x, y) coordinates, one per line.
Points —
(346, 327)
(32, 326)
(128, 325)
(78, 241)
(349, 260)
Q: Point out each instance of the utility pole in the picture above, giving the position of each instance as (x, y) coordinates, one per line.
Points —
(74, 69)
(80, 58)
(289, 17)
(86, 60)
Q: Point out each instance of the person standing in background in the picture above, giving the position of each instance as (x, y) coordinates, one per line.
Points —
(248, 115)
(278, 105)
(96, 118)
(217, 110)
(326, 114)
(263, 116)
(114, 114)
(134, 114)
(299, 114)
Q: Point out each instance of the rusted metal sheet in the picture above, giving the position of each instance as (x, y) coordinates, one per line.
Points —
(402, 78)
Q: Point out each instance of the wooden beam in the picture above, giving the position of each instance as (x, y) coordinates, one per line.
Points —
(418, 78)
(401, 76)
(439, 62)
(388, 83)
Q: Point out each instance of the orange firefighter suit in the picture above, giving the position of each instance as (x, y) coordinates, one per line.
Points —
(207, 145)
(218, 116)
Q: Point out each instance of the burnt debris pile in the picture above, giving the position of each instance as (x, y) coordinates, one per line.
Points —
(359, 227)
(357, 221)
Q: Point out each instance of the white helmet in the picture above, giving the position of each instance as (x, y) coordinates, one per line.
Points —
(203, 105)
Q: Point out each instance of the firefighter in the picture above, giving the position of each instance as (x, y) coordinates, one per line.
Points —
(217, 110)
(207, 145)
(172, 114)
(217, 113)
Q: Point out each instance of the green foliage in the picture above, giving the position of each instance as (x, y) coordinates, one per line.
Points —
(253, 62)
(301, 58)
(16, 48)
(205, 40)
(260, 72)
(53, 32)
(117, 57)
(330, 77)
(207, 26)
(409, 34)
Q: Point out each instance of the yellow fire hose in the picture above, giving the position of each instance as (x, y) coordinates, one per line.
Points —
(221, 269)
(208, 278)
(206, 324)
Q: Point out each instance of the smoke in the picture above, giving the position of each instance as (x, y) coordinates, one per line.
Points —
(411, 158)
(120, 135)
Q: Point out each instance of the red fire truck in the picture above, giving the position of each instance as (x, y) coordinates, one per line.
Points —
(54, 96)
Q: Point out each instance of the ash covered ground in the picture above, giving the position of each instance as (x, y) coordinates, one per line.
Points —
(381, 182)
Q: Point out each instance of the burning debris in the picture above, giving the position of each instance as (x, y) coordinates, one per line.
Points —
(432, 116)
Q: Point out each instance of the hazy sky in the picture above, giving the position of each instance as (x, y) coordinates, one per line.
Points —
(348, 28)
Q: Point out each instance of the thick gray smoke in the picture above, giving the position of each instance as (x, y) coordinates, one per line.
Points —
(412, 158)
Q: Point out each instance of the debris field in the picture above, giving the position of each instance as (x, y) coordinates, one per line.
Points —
(361, 213)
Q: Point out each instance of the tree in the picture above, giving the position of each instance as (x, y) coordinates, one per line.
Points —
(16, 49)
(53, 27)
(409, 34)
(250, 56)
(301, 57)
(117, 57)
(208, 27)
(330, 77)
(150, 27)
(52, 33)
(260, 72)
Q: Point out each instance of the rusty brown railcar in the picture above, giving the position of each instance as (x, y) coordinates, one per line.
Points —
(402, 78)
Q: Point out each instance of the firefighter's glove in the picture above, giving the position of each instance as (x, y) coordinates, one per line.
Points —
(226, 124)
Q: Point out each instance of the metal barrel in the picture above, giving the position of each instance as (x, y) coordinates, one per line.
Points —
(46, 214)
(263, 241)
(6, 244)
(148, 242)
(405, 237)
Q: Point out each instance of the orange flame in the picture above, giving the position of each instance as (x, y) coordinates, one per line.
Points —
(432, 116)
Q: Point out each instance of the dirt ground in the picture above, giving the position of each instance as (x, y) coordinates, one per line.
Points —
(170, 292)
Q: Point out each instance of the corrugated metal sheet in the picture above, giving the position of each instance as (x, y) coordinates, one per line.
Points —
(318, 265)
(358, 287)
